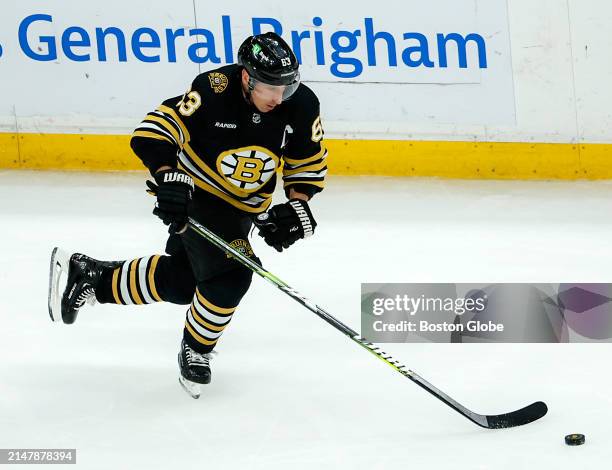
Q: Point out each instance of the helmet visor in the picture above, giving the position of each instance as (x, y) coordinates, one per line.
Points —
(274, 93)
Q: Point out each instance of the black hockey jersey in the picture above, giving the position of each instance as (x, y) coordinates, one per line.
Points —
(229, 148)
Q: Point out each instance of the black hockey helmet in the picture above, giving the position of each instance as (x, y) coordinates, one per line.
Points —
(268, 59)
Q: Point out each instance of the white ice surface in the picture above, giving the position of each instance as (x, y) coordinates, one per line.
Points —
(289, 391)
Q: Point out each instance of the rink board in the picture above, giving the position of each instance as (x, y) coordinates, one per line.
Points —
(488, 160)
(450, 88)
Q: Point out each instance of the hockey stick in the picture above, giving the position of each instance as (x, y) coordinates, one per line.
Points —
(507, 420)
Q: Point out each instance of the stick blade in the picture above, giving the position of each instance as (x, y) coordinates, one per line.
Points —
(520, 417)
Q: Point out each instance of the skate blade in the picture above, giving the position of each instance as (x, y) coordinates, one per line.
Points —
(58, 277)
(192, 388)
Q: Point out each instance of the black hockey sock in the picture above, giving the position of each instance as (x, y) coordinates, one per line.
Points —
(213, 306)
(131, 283)
(146, 280)
(205, 323)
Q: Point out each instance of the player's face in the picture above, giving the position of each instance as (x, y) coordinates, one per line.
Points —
(264, 97)
(267, 97)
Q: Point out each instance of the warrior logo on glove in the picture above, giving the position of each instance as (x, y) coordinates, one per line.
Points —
(177, 177)
(286, 223)
(174, 191)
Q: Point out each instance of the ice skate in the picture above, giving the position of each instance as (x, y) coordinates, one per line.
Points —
(195, 369)
(72, 282)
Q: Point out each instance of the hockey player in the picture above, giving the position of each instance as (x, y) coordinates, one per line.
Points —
(214, 153)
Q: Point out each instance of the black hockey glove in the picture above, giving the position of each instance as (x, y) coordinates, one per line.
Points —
(174, 190)
(286, 223)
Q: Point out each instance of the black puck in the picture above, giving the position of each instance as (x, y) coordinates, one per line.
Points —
(574, 439)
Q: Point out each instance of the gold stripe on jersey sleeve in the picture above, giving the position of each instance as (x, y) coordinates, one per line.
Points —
(177, 120)
(304, 169)
(197, 337)
(133, 289)
(166, 125)
(152, 278)
(318, 184)
(303, 161)
(114, 284)
(204, 323)
(214, 308)
(152, 135)
(204, 186)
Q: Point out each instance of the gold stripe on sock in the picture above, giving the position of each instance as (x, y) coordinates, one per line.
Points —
(133, 289)
(114, 284)
(197, 337)
(214, 308)
(152, 278)
(204, 323)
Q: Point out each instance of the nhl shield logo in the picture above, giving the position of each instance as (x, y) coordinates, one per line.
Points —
(218, 82)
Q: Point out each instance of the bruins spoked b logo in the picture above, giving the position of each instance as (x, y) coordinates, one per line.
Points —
(218, 81)
(242, 246)
(247, 168)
